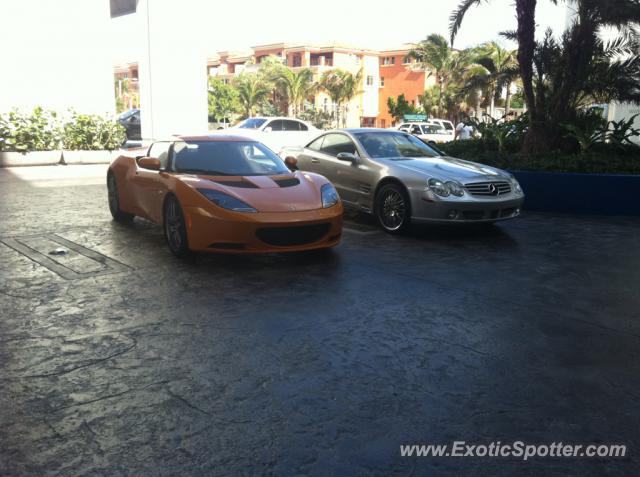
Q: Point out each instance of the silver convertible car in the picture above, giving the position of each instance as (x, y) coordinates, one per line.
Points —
(401, 180)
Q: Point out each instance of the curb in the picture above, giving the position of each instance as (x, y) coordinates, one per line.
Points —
(35, 158)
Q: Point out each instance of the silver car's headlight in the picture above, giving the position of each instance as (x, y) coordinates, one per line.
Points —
(455, 188)
(438, 187)
(515, 185)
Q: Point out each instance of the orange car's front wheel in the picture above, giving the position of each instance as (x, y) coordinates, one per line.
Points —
(175, 230)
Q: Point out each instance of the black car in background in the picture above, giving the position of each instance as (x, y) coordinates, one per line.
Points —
(131, 122)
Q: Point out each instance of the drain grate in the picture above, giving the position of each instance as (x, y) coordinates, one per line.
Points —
(77, 262)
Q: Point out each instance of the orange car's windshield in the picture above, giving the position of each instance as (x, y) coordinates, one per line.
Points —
(226, 158)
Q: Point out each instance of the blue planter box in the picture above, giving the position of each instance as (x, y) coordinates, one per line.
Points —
(604, 194)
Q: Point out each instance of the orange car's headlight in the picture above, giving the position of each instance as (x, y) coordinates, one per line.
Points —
(226, 201)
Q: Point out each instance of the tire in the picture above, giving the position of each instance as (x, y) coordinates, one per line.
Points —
(114, 201)
(175, 230)
(393, 208)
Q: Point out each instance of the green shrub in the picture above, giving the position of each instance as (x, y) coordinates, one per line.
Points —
(39, 130)
(317, 117)
(89, 132)
(42, 130)
(600, 159)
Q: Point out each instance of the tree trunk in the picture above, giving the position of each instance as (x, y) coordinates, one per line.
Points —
(534, 140)
(507, 101)
(492, 105)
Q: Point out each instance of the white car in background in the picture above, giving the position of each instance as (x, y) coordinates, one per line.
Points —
(276, 133)
(447, 125)
(430, 133)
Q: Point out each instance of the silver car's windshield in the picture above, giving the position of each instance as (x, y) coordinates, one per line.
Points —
(387, 144)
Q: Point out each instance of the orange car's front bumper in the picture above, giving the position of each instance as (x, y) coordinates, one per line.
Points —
(239, 232)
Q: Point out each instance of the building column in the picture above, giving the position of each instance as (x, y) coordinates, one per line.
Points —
(172, 69)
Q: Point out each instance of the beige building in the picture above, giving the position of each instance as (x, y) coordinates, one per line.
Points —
(361, 110)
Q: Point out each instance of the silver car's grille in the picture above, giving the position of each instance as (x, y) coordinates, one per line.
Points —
(488, 188)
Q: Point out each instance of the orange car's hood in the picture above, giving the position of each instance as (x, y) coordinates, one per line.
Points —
(282, 193)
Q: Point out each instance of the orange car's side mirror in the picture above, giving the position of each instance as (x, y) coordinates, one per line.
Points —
(292, 163)
(149, 163)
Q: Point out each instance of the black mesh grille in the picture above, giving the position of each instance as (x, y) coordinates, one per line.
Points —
(286, 236)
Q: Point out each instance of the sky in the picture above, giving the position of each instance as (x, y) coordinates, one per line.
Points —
(376, 24)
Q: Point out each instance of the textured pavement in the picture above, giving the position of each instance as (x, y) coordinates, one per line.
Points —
(137, 363)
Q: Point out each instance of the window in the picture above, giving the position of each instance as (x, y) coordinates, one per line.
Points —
(407, 60)
(389, 60)
(334, 144)
(252, 123)
(382, 81)
(227, 158)
(160, 150)
(316, 144)
(394, 145)
(277, 125)
(415, 129)
(369, 80)
(432, 129)
(289, 125)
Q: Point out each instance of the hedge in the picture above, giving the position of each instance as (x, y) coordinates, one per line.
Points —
(602, 159)
(43, 130)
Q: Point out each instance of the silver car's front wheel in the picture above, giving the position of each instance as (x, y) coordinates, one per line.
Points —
(392, 208)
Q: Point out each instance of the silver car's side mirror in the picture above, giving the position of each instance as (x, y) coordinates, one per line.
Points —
(347, 156)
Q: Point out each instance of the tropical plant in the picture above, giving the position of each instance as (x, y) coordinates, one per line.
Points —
(294, 87)
(400, 107)
(435, 55)
(500, 70)
(619, 133)
(223, 100)
(341, 86)
(90, 132)
(558, 76)
(252, 90)
(126, 98)
(319, 118)
(39, 130)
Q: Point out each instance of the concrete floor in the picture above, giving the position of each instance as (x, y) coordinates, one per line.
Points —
(309, 363)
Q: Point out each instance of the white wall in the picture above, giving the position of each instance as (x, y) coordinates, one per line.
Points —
(371, 67)
(56, 54)
(172, 68)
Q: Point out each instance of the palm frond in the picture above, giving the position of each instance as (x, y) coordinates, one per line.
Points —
(456, 17)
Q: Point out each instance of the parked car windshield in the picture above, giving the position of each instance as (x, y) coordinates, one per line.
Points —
(386, 144)
(251, 123)
(226, 158)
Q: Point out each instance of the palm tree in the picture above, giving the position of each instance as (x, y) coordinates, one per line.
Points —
(350, 89)
(251, 92)
(434, 54)
(554, 75)
(294, 87)
(501, 69)
(341, 86)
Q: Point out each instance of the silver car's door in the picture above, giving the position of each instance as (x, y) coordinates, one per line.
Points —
(343, 174)
(308, 160)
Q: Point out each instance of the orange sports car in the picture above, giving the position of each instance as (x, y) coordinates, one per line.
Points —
(225, 194)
